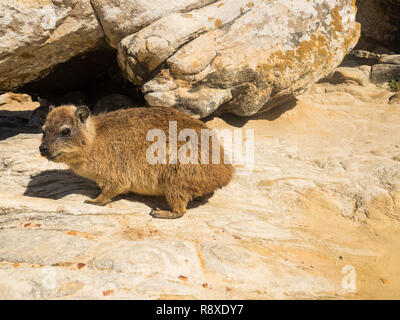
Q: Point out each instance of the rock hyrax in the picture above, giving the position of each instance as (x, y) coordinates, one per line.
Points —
(113, 102)
(111, 149)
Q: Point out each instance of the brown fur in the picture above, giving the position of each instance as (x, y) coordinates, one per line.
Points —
(110, 149)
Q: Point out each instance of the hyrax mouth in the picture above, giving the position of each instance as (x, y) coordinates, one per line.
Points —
(53, 158)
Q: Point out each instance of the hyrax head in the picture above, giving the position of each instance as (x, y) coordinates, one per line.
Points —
(65, 133)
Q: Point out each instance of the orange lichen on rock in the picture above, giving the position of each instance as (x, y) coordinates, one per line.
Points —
(107, 292)
(314, 49)
(336, 23)
(353, 3)
(218, 23)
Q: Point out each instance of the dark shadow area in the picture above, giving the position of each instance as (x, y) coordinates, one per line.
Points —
(277, 111)
(82, 80)
(229, 118)
(272, 114)
(74, 74)
(351, 60)
(15, 122)
(380, 25)
(57, 184)
(86, 77)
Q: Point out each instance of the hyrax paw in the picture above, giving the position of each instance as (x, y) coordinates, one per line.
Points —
(95, 202)
(162, 214)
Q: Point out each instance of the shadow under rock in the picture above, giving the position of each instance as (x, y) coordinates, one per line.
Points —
(57, 184)
(270, 115)
(13, 123)
(278, 111)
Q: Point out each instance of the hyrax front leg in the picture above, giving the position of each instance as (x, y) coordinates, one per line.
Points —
(105, 197)
(177, 202)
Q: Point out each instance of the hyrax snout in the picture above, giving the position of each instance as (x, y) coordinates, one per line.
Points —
(149, 151)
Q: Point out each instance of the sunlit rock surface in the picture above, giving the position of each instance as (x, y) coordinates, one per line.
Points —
(324, 194)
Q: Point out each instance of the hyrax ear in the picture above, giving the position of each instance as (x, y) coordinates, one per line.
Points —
(82, 113)
(51, 107)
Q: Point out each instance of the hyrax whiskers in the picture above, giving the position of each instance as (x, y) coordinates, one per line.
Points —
(112, 149)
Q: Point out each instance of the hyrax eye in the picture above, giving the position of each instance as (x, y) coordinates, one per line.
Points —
(65, 133)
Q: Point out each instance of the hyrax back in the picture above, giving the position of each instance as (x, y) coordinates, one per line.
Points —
(113, 150)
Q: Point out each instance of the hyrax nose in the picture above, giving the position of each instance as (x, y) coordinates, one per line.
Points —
(44, 150)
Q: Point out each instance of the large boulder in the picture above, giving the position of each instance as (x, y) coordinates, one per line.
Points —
(120, 18)
(238, 55)
(39, 34)
(199, 56)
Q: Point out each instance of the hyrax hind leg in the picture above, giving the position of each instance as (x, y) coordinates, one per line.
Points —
(177, 201)
(106, 196)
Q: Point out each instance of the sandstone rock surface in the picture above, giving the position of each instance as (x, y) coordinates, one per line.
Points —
(120, 18)
(383, 73)
(39, 34)
(322, 201)
(244, 56)
(391, 59)
(349, 75)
